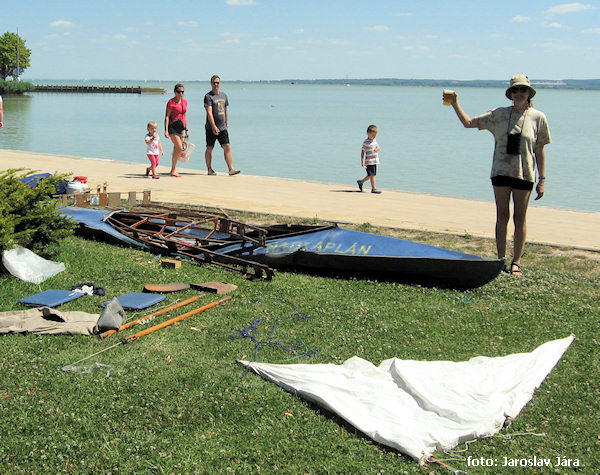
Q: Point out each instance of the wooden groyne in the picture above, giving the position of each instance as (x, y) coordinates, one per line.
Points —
(101, 89)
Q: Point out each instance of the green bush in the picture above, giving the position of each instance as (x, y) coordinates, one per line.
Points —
(15, 87)
(28, 216)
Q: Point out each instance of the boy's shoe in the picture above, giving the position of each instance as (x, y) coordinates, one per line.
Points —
(233, 172)
(211, 172)
(376, 191)
(360, 185)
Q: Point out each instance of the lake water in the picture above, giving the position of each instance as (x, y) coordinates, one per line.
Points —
(315, 132)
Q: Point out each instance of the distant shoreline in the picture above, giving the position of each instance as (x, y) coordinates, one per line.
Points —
(562, 84)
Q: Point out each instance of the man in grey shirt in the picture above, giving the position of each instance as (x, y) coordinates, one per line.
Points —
(216, 103)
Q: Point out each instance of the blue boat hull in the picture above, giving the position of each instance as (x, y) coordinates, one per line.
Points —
(337, 249)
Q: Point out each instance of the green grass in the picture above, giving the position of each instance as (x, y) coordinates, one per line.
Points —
(176, 402)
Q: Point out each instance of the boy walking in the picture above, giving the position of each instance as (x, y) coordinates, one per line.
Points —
(369, 158)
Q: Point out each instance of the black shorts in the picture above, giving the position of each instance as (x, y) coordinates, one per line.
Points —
(515, 183)
(371, 170)
(211, 138)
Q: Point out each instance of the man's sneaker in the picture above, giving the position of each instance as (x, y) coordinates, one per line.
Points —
(360, 185)
(233, 172)
(211, 172)
(376, 191)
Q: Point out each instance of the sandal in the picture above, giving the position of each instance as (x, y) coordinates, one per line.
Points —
(515, 269)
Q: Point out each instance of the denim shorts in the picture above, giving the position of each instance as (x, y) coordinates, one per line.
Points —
(371, 170)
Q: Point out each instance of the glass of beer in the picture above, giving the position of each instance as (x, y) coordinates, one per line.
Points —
(448, 96)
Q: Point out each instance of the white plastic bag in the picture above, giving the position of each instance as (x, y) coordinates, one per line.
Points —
(188, 148)
(28, 266)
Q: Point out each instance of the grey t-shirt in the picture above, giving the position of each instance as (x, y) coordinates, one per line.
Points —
(219, 103)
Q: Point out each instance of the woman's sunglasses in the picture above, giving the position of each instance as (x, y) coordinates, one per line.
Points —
(179, 92)
(519, 89)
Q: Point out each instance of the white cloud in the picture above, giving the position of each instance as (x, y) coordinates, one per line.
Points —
(241, 3)
(521, 19)
(119, 36)
(592, 30)
(553, 25)
(431, 37)
(553, 46)
(299, 30)
(378, 28)
(61, 24)
(568, 8)
(272, 38)
(338, 42)
(190, 24)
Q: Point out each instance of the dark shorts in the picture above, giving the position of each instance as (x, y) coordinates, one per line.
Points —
(515, 183)
(171, 131)
(211, 138)
(371, 170)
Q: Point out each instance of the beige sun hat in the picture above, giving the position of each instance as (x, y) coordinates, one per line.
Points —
(520, 80)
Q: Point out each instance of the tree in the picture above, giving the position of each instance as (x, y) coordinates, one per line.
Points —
(12, 44)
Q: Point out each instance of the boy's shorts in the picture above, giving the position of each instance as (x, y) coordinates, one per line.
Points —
(211, 138)
(371, 170)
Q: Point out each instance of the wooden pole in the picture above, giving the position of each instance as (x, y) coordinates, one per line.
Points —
(147, 331)
(152, 315)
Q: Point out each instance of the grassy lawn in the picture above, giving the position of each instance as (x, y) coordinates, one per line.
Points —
(175, 401)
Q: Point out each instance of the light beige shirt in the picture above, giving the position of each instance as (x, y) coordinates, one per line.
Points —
(533, 126)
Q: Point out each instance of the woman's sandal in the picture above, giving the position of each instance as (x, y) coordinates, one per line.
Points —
(515, 269)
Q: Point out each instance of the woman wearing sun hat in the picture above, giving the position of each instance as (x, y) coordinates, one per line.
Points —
(520, 134)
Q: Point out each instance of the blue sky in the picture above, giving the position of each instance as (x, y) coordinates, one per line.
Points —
(307, 39)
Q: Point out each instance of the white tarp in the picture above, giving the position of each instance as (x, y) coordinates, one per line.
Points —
(418, 407)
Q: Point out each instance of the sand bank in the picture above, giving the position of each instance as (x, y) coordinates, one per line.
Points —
(326, 201)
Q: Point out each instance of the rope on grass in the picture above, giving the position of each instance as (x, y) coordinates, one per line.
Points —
(84, 369)
(252, 332)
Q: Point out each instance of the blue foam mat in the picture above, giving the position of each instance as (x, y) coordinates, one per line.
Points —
(50, 298)
(138, 300)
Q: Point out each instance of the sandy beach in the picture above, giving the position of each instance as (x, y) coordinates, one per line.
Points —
(326, 201)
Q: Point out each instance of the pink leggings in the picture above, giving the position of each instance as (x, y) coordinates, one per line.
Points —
(153, 160)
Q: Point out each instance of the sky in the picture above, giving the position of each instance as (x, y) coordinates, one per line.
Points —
(307, 39)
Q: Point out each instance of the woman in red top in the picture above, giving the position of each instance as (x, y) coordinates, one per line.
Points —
(176, 124)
